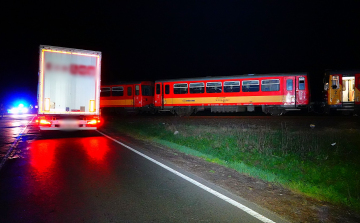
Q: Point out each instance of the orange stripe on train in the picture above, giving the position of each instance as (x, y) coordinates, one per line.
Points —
(116, 102)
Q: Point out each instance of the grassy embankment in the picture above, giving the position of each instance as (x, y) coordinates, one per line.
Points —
(304, 161)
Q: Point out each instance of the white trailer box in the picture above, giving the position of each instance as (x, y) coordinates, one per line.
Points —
(69, 89)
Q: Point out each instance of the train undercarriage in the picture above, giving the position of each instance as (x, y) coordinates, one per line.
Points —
(189, 110)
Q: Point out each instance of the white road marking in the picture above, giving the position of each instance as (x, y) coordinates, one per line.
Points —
(202, 186)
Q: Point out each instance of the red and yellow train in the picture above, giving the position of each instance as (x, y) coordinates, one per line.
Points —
(274, 93)
(127, 97)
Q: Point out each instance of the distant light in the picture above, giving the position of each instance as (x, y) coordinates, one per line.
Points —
(19, 109)
(13, 110)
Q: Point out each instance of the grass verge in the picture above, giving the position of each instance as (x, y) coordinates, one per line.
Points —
(304, 161)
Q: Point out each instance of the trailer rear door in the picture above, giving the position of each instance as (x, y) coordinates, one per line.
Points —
(68, 83)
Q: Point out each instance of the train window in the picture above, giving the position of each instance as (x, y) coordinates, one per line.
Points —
(105, 92)
(129, 91)
(157, 88)
(147, 90)
(117, 91)
(137, 90)
(301, 83)
(180, 88)
(231, 86)
(213, 87)
(270, 85)
(167, 89)
(335, 82)
(344, 85)
(326, 86)
(250, 86)
(289, 84)
(196, 88)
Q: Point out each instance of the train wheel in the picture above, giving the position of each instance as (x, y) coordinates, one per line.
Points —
(346, 113)
(120, 111)
(327, 111)
(153, 111)
(276, 112)
(184, 111)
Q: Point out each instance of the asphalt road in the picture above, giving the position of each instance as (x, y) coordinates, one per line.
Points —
(86, 177)
(10, 127)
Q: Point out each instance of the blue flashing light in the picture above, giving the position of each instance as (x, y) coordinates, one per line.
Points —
(19, 109)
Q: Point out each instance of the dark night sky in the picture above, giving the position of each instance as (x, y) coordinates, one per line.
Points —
(149, 40)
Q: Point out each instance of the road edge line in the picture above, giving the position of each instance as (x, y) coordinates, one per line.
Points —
(202, 186)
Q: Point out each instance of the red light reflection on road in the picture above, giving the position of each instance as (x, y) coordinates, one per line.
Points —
(42, 155)
(96, 148)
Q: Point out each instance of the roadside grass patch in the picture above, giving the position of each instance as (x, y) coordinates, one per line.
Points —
(304, 161)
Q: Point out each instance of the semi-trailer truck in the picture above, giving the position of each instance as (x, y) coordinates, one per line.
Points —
(68, 89)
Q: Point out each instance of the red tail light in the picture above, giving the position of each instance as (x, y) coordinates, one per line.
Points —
(44, 122)
(92, 122)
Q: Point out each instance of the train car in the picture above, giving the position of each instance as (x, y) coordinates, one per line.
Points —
(342, 91)
(127, 97)
(274, 93)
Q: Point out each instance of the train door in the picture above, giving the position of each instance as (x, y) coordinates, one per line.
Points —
(301, 91)
(129, 97)
(348, 89)
(289, 90)
(158, 95)
(137, 96)
(335, 89)
(357, 90)
(166, 99)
